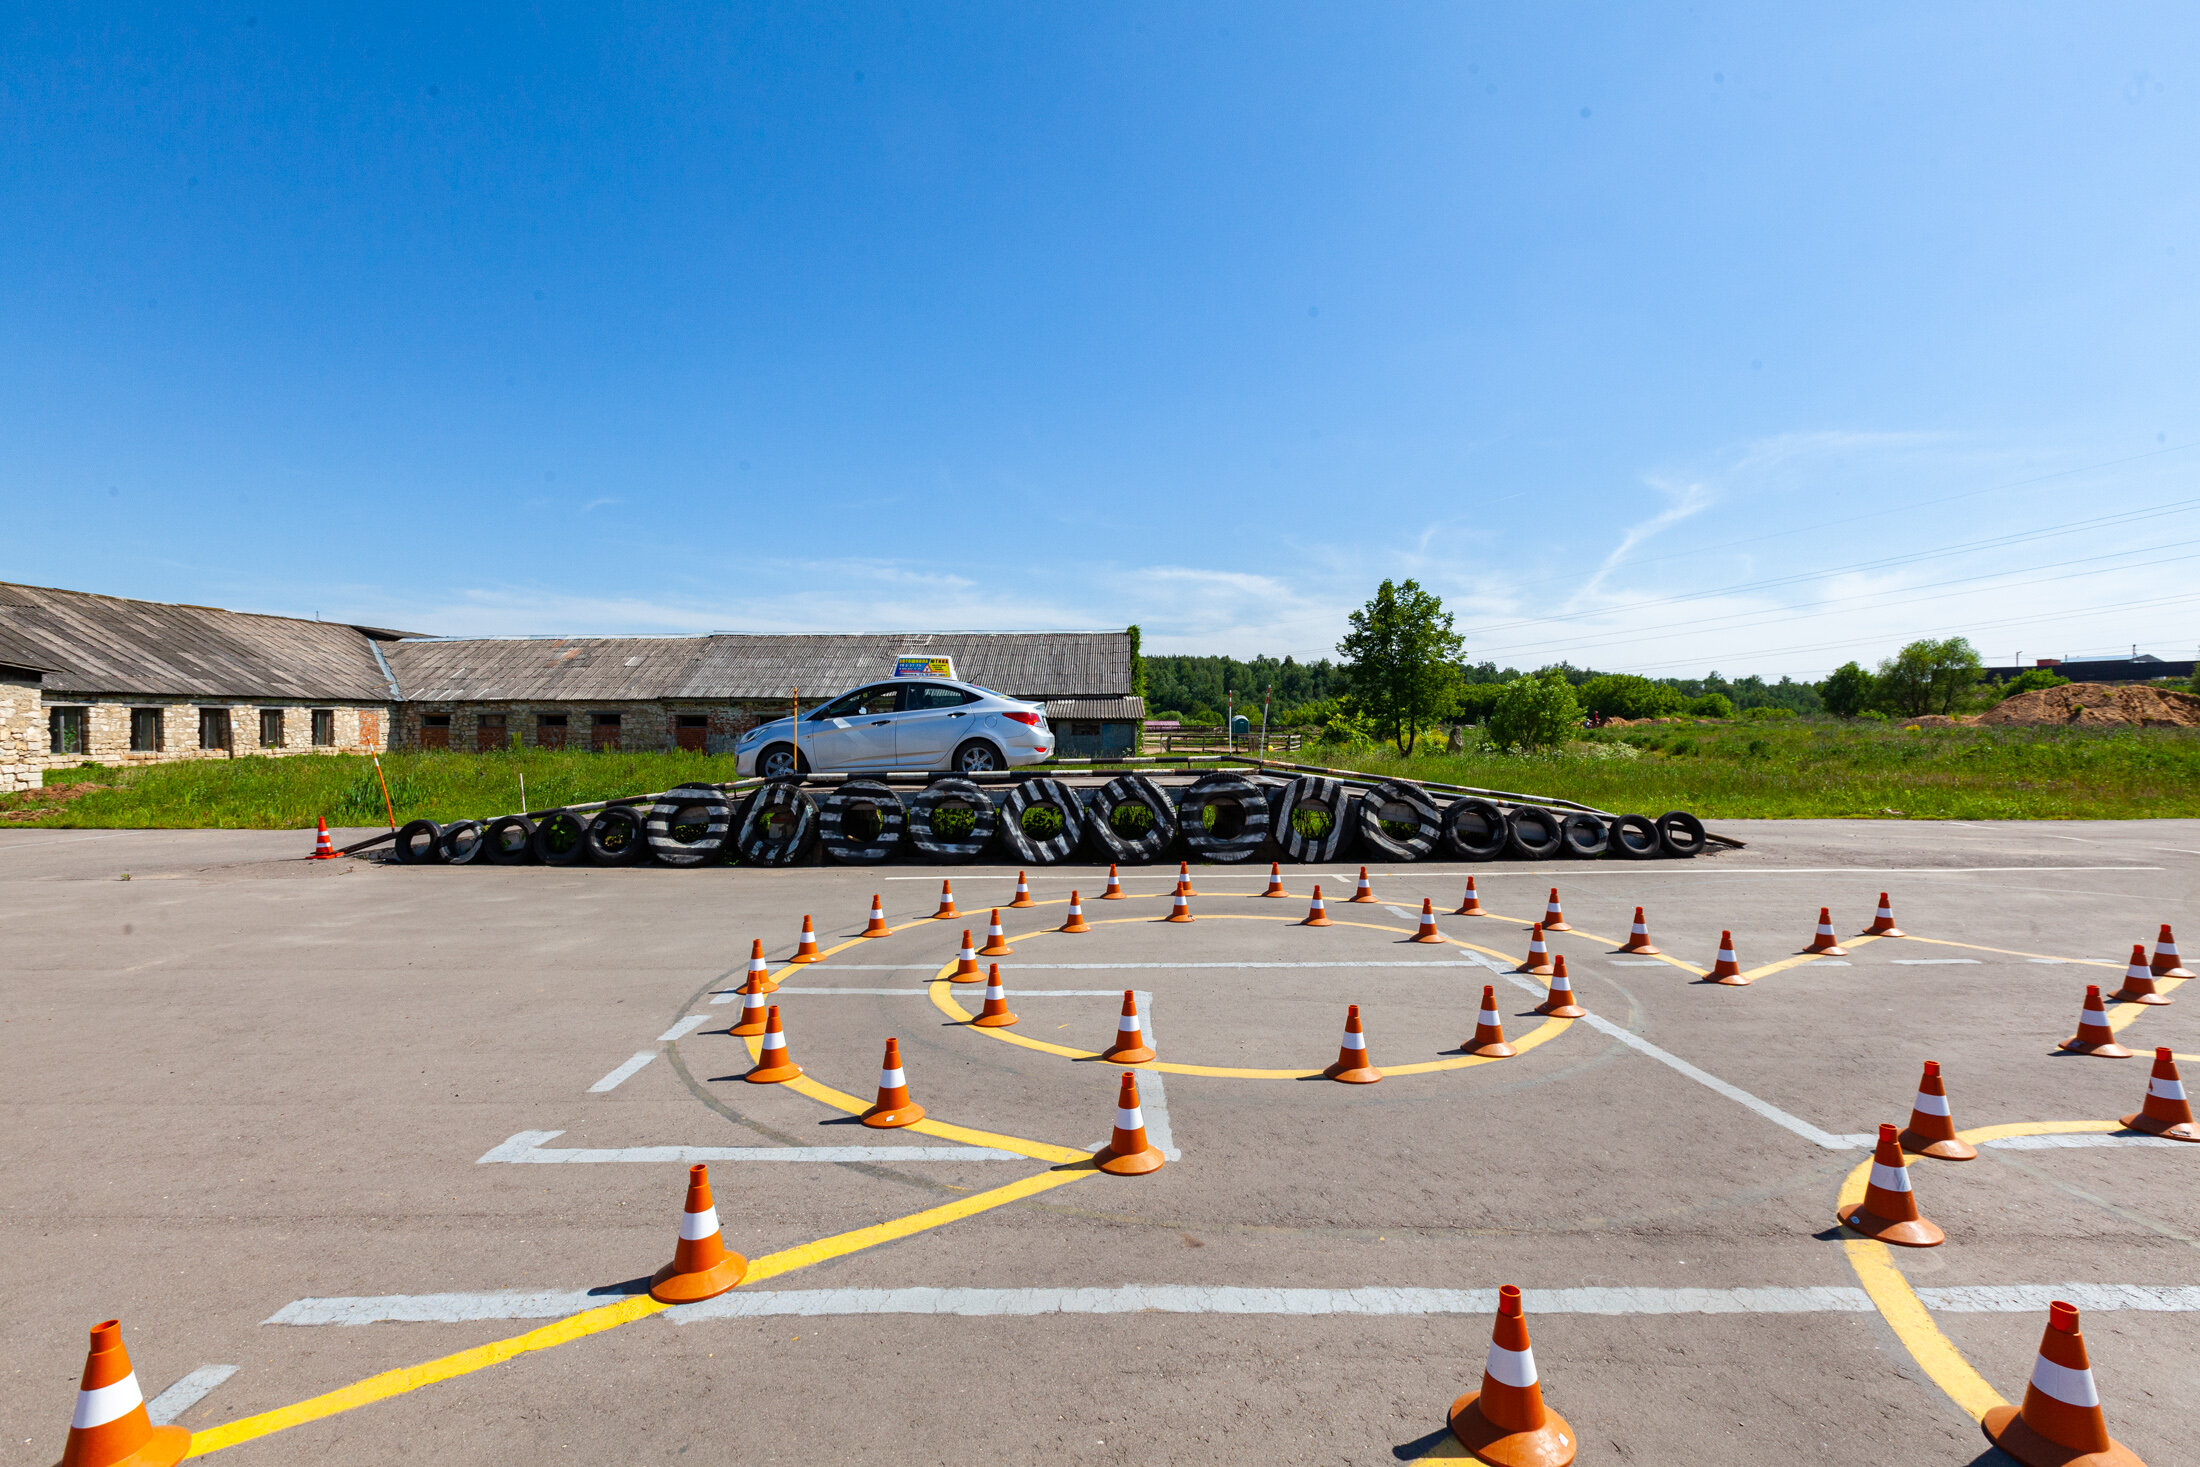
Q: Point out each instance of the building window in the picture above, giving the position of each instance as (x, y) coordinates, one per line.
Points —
(324, 728)
(271, 728)
(690, 730)
(549, 730)
(213, 728)
(145, 731)
(489, 734)
(435, 730)
(603, 732)
(65, 727)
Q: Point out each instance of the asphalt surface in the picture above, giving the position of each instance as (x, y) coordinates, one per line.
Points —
(238, 1080)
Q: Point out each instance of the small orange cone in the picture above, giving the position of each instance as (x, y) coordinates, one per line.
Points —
(773, 1066)
(1538, 960)
(1889, 1211)
(702, 1266)
(1489, 1030)
(1724, 968)
(1554, 920)
(1932, 1129)
(966, 962)
(1506, 1422)
(876, 927)
(2094, 1037)
(1180, 910)
(947, 902)
(759, 970)
(1823, 940)
(111, 1427)
(1023, 893)
(2139, 981)
(806, 952)
(1275, 881)
(1184, 878)
(1638, 937)
(1076, 922)
(1883, 921)
(1561, 1003)
(1365, 893)
(1128, 1152)
(996, 944)
(322, 849)
(1317, 915)
(996, 1014)
(1470, 905)
(1428, 932)
(1129, 1047)
(2166, 1111)
(2060, 1423)
(1115, 892)
(893, 1107)
(1353, 1066)
(2166, 964)
(752, 1009)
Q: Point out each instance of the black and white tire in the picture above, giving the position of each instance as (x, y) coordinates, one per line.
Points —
(1241, 821)
(1310, 792)
(1536, 834)
(1042, 794)
(1397, 800)
(461, 842)
(1635, 838)
(1680, 833)
(846, 813)
(420, 843)
(689, 805)
(561, 838)
(778, 827)
(1585, 835)
(1476, 830)
(1132, 850)
(618, 836)
(939, 794)
(509, 841)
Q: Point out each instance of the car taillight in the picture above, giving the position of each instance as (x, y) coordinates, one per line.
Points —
(1030, 718)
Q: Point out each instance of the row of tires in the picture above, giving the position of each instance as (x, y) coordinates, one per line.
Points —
(1129, 820)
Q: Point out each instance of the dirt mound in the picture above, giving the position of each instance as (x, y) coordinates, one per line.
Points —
(33, 803)
(2098, 705)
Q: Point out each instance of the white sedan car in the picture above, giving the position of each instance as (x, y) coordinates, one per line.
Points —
(904, 723)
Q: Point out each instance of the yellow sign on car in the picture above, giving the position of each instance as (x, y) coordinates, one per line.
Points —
(920, 666)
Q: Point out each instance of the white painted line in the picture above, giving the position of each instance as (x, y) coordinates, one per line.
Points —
(2081, 1138)
(623, 1073)
(1575, 870)
(186, 1393)
(685, 1027)
(439, 1308)
(1637, 963)
(2054, 962)
(527, 1147)
(2034, 1298)
(7, 846)
(1106, 967)
(1935, 962)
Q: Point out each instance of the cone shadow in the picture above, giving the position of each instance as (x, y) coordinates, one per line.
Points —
(1420, 1447)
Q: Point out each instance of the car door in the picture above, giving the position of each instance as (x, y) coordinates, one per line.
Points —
(854, 731)
(932, 722)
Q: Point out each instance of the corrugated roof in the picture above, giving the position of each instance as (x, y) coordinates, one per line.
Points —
(109, 644)
(546, 669)
(1105, 709)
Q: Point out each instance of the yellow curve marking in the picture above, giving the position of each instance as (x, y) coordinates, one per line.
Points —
(1573, 931)
(1801, 958)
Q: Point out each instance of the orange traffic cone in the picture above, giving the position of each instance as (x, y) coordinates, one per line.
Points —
(1180, 910)
(806, 952)
(773, 1065)
(1365, 893)
(1724, 968)
(322, 849)
(1184, 878)
(1129, 1047)
(1932, 1129)
(1538, 960)
(1115, 892)
(1506, 1421)
(1428, 932)
(2139, 981)
(1023, 893)
(2060, 1423)
(1076, 921)
(702, 1266)
(752, 1010)
(2165, 1111)
(1883, 922)
(947, 902)
(2166, 964)
(996, 1014)
(1561, 1004)
(996, 944)
(1638, 937)
(1554, 920)
(1353, 1066)
(111, 1427)
(1317, 915)
(966, 962)
(1128, 1152)
(1823, 940)
(1275, 881)
(759, 970)
(1470, 905)
(1489, 1030)
(1888, 1211)
(2094, 1037)
(876, 927)
(893, 1107)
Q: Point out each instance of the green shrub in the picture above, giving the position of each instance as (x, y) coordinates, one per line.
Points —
(1711, 705)
(1537, 711)
(1767, 713)
(2031, 680)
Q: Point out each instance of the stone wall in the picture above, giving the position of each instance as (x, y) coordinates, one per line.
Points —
(359, 729)
(644, 726)
(22, 733)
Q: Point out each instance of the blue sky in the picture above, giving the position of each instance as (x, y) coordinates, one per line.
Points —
(1655, 338)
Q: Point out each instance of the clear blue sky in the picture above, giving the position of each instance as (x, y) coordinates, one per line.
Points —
(590, 319)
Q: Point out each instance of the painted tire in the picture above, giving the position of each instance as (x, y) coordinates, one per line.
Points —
(1585, 835)
(695, 799)
(1635, 838)
(1038, 794)
(509, 841)
(852, 799)
(420, 843)
(1536, 833)
(1242, 817)
(1390, 794)
(757, 843)
(1680, 833)
(461, 842)
(1132, 850)
(1476, 830)
(925, 808)
(618, 836)
(1310, 792)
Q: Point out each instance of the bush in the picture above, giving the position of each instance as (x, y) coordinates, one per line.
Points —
(1537, 711)
(1877, 715)
(1847, 692)
(2030, 681)
(1623, 695)
(1767, 713)
(1711, 705)
(1476, 701)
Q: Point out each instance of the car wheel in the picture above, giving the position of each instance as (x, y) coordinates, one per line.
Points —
(977, 757)
(781, 762)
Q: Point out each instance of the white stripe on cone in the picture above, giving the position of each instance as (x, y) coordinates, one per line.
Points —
(774, 1040)
(1354, 1041)
(1487, 1016)
(1726, 955)
(1133, 1119)
(1930, 1105)
(696, 1226)
(2166, 1089)
(751, 1001)
(2071, 1387)
(1515, 1368)
(892, 1079)
(1890, 1178)
(102, 1404)
(1076, 909)
(1126, 1024)
(993, 991)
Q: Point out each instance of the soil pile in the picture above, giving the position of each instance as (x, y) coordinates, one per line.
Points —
(2098, 705)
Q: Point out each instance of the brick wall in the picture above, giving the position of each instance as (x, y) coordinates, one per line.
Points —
(644, 726)
(107, 730)
(22, 733)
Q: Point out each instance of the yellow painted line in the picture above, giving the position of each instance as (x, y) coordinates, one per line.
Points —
(1609, 942)
(771, 1265)
(2124, 1014)
(1801, 958)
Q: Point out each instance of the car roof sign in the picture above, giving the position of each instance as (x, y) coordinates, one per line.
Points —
(924, 665)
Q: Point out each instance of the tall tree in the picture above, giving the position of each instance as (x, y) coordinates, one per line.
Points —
(1399, 661)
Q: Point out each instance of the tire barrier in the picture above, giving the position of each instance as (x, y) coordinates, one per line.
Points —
(778, 827)
(1585, 835)
(461, 842)
(1680, 833)
(1241, 817)
(924, 820)
(1390, 797)
(1635, 838)
(561, 838)
(509, 841)
(420, 843)
(1310, 794)
(618, 836)
(1476, 830)
(1536, 833)
(687, 807)
(1151, 844)
(845, 820)
(1042, 794)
